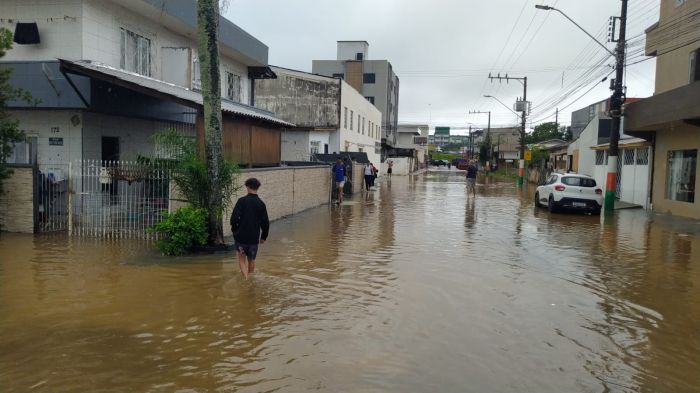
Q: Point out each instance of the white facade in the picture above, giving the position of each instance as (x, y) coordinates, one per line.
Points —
(92, 30)
(581, 147)
(349, 50)
(360, 125)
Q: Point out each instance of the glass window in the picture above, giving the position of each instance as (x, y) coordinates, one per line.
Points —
(135, 53)
(315, 147)
(578, 181)
(358, 123)
(370, 99)
(363, 126)
(368, 78)
(233, 87)
(339, 76)
(196, 76)
(345, 119)
(643, 156)
(23, 152)
(599, 157)
(352, 116)
(680, 175)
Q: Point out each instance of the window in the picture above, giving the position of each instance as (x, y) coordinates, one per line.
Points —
(358, 123)
(315, 147)
(363, 126)
(643, 156)
(233, 87)
(628, 156)
(368, 78)
(345, 119)
(680, 175)
(599, 157)
(694, 66)
(352, 116)
(578, 181)
(196, 77)
(339, 76)
(24, 152)
(370, 99)
(135, 53)
(358, 56)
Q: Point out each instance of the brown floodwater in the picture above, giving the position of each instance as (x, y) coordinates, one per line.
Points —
(412, 288)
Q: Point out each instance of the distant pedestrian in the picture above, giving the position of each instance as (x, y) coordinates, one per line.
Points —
(472, 170)
(338, 170)
(390, 165)
(369, 174)
(375, 171)
(250, 226)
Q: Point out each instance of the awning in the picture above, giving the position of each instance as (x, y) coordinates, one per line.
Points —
(658, 112)
(165, 90)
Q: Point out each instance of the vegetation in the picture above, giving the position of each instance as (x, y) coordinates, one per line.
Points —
(184, 230)
(547, 131)
(485, 149)
(10, 134)
(444, 156)
(208, 50)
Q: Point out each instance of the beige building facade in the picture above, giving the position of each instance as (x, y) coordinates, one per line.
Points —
(671, 117)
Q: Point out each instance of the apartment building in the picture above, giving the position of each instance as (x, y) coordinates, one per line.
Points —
(330, 116)
(374, 79)
(671, 117)
(111, 73)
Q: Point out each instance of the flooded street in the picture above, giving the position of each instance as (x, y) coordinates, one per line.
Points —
(411, 288)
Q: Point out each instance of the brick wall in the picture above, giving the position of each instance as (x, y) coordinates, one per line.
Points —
(16, 203)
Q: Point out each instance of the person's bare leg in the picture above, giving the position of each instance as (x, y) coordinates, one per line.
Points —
(251, 266)
(340, 195)
(243, 264)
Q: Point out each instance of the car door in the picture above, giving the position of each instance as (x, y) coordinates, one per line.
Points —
(548, 187)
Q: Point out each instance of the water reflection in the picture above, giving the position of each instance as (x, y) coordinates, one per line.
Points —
(408, 288)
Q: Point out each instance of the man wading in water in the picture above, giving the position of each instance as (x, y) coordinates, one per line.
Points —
(471, 177)
(248, 219)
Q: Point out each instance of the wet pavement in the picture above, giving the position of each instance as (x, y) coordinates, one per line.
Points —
(411, 288)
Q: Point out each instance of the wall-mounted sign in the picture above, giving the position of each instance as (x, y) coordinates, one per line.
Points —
(55, 141)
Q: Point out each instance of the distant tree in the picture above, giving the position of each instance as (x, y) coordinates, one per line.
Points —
(545, 131)
(568, 134)
(10, 134)
(485, 149)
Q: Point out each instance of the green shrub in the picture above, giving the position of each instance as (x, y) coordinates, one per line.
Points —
(183, 230)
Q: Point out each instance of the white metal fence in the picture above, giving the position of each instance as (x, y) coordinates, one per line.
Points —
(117, 199)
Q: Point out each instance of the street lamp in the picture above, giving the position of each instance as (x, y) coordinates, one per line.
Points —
(548, 8)
(501, 102)
(616, 101)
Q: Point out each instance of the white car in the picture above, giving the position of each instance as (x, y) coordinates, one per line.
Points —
(570, 191)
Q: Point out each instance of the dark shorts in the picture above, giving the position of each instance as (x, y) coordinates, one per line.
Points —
(250, 250)
(388, 170)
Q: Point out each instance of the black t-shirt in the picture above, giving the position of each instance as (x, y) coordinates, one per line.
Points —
(471, 171)
(248, 219)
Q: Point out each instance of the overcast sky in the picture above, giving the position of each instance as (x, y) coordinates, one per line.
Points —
(443, 50)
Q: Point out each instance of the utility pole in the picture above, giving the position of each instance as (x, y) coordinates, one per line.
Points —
(523, 111)
(488, 132)
(616, 101)
(556, 119)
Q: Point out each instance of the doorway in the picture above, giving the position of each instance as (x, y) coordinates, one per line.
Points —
(110, 154)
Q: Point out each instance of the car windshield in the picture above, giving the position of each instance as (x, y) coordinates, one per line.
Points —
(578, 181)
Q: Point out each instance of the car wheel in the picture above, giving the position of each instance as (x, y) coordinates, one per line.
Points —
(537, 199)
(551, 206)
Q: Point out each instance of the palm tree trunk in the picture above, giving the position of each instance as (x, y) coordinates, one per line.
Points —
(208, 48)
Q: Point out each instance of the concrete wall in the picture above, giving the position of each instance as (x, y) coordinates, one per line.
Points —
(306, 100)
(359, 138)
(402, 165)
(286, 190)
(295, 145)
(586, 156)
(348, 50)
(16, 203)
(679, 137)
(673, 61)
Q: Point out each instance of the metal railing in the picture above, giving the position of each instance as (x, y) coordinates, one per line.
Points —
(117, 199)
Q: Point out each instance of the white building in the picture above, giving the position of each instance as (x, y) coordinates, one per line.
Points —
(330, 116)
(588, 155)
(94, 104)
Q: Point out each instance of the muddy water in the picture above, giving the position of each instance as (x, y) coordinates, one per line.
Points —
(411, 288)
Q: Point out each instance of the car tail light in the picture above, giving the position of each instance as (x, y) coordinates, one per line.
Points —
(559, 187)
(598, 191)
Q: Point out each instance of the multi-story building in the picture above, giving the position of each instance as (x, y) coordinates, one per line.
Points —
(330, 115)
(374, 79)
(671, 117)
(110, 73)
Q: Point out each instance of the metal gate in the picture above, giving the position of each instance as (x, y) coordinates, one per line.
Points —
(51, 198)
(117, 199)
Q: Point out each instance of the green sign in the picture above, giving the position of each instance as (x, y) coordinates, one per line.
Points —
(442, 130)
